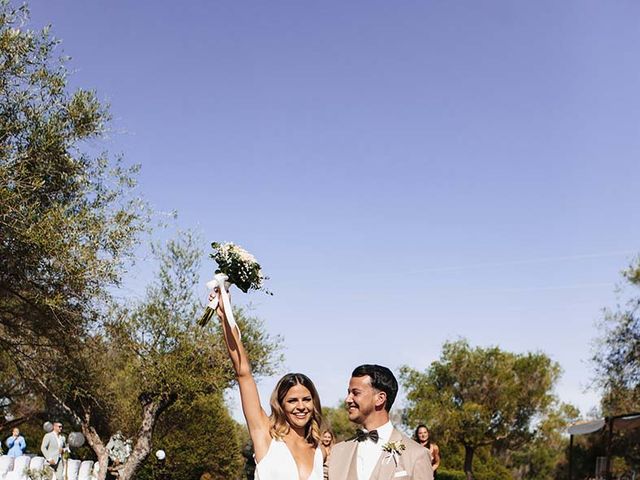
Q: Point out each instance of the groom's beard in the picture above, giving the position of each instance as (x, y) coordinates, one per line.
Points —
(354, 413)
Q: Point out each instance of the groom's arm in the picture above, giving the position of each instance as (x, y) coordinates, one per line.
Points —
(422, 469)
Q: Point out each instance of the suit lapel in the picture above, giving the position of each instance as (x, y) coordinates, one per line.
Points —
(347, 464)
(353, 462)
(386, 467)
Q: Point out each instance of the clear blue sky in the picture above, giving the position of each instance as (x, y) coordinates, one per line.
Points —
(406, 172)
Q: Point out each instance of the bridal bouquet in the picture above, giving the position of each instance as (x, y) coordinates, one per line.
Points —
(236, 267)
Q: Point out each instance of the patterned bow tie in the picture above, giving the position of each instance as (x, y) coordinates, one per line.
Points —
(362, 435)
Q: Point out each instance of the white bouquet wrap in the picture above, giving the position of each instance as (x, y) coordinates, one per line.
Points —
(220, 284)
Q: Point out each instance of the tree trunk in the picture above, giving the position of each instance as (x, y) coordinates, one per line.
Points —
(151, 409)
(94, 441)
(468, 461)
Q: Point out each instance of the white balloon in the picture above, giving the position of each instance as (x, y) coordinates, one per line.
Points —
(47, 427)
(161, 455)
(76, 439)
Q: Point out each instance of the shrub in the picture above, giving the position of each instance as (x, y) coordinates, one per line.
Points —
(451, 475)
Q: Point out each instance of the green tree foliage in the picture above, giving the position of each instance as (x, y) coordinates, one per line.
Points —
(487, 465)
(444, 474)
(544, 457)
(481, 396)
(13, 394)
(617, 359)
(67, 219)
(617, 364)
(337, 420)
(187, 434)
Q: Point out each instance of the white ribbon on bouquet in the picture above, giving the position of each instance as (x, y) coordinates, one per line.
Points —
(220, 283)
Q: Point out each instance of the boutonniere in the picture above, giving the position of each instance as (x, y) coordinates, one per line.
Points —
(394, 450)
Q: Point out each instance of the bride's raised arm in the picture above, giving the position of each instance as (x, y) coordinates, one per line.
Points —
(257, 419)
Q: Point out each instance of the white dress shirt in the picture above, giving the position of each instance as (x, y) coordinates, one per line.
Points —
(369, 452)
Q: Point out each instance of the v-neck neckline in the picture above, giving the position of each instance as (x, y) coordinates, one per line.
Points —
(293, 459)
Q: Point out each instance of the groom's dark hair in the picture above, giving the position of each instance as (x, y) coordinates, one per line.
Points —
(381, 379)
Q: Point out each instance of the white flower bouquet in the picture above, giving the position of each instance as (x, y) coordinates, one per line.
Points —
(37, 474)
(236, 267)
(119, 448)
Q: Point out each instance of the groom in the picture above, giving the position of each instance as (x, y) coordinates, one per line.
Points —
(371, 456)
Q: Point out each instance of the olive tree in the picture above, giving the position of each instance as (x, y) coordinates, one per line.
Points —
(480, 396)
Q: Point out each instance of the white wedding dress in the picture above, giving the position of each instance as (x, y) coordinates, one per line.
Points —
(279, 464)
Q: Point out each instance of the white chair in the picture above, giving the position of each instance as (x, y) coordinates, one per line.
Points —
(86, 468)
(36, 463)
(73, 467)
(6, 465)
(20, 467)
(95, 471)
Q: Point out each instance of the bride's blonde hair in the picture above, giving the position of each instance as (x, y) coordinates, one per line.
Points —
(279, 424)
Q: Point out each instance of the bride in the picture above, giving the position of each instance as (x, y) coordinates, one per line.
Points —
(286, 443)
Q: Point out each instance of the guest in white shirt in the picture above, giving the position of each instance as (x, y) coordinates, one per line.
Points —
(53, 444)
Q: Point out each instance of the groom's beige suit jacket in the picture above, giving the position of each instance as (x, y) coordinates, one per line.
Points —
(413, 464)
(50, 449)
